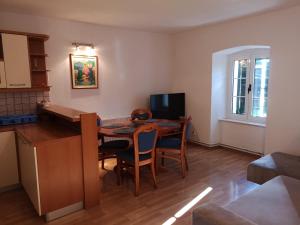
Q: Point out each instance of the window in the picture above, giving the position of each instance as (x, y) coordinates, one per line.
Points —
(248, 85)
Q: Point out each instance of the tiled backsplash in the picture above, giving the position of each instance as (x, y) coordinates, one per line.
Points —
(21, 102)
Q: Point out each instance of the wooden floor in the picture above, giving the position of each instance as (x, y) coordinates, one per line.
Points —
(223, 170)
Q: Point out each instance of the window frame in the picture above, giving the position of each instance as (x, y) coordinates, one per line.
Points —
(250, 55)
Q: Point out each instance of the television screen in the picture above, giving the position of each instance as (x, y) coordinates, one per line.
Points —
(167, 106)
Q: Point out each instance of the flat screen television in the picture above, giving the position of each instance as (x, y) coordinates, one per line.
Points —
(167, 106)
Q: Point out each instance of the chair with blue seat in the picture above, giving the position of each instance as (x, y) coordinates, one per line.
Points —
(140, 154)
(175, 147)
(108, 149)
(141, 114)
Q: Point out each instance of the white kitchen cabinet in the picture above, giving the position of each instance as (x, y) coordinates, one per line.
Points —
(2, 75)
(16, 59)
(8, 160)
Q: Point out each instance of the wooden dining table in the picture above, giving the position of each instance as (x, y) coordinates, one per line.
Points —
(165, 128)
(126, 128)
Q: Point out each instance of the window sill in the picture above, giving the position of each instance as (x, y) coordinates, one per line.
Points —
(244, 122)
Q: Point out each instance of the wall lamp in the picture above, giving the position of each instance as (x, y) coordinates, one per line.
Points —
(79, 44)
(84, 49)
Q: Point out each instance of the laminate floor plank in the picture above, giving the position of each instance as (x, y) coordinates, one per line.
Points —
(222, 169)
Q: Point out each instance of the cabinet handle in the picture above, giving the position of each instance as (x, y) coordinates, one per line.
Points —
(18, 85)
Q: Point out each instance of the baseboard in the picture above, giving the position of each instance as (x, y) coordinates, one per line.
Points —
(240, 149)
(63, 211)
(204, 144)
(212, 146)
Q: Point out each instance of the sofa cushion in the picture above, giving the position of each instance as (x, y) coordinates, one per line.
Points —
(211, 214)
(277, 202)
(272, 165)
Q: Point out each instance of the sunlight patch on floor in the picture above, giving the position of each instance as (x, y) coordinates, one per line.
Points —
(188, 206)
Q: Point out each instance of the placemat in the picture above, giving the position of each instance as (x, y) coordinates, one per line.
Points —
(168, 124)
(151, 120)
(113, 126)
(124, 130)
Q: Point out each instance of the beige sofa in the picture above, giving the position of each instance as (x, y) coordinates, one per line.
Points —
(276, 202)
(270, 166)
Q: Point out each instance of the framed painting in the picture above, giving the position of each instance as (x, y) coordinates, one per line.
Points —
(84, 71)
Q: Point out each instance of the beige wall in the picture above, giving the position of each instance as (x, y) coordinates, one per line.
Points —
(193, 72)
(218, 95)
(132, 64)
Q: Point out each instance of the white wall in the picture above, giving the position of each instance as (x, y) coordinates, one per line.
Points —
(132, 64)
(218, 94)
(192, 68)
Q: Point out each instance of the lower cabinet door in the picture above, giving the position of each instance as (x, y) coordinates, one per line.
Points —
(29, 171)
(8, 160)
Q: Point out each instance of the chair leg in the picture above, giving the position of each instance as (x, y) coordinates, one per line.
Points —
(162, 159)
(137, 179)
(153, 174)
(118, 171)
(156, 161)
(182, 160)
(186, 163)
(102, 163)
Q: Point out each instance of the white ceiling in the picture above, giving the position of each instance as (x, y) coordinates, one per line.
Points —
(154, 15)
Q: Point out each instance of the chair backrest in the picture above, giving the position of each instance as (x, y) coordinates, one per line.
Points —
(99, 124)
(144, 139)
(186, 132)
(141, 114)
(99, 121)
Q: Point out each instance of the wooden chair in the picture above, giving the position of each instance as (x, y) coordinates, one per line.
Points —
(108, 149)
(140, 154)
(175, 147)
(141, 114)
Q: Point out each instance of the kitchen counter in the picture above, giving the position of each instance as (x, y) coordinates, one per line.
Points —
(50, 161)
(57, 160)
(41, 131)
(69, 114)
(8, 128)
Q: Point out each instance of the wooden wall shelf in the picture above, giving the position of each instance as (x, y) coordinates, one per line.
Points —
(33, 70)
(32, 89)
(37, 60)
(38, 55)
(1, 50)
(30, 35)
(38, 66)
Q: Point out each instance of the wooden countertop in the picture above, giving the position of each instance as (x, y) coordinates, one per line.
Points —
(46, 130)
(8, 128)
(40, 132)
(69, 114)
